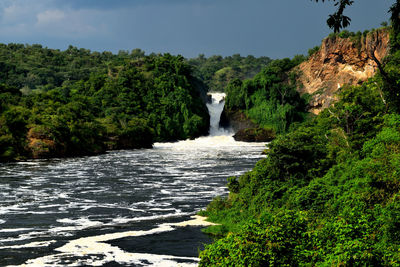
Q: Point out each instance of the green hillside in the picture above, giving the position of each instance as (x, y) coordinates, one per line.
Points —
(76, 102)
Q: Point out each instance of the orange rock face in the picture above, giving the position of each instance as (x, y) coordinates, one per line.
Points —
(341, 61)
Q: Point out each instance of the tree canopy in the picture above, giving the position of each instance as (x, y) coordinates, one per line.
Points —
(338, 20)
(77, 102)
(217, 71)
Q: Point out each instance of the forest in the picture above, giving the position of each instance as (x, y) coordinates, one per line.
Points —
(217, 71)
(327, 193)
(270, 99)
(76, 102)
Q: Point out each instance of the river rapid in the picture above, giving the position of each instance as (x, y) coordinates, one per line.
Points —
(123, 208)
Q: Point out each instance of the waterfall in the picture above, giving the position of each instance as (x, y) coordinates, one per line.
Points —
(215, 109)
(219, 138)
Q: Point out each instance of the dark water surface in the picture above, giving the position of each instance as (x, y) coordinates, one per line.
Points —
(117, 209)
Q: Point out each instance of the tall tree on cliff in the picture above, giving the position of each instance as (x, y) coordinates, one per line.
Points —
(337, 20)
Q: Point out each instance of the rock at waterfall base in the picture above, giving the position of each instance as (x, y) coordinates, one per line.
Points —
(255, 135)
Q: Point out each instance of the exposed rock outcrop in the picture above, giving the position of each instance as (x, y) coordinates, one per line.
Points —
(255, 135)
(245, 130)
(341, 61)
(42, 145)
(236, 120)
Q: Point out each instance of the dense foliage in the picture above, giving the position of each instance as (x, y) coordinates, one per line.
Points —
(218, 71)
(270, 99)
(327, 193)
(74, 102)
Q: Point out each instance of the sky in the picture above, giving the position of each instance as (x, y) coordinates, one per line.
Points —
(273, 28)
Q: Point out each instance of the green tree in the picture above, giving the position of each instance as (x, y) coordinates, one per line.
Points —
(337, 20)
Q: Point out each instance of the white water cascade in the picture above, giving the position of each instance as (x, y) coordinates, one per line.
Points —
(218, 139)
(215, 109)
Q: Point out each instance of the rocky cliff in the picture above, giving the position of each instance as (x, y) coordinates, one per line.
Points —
(341, 61)
(245, 130)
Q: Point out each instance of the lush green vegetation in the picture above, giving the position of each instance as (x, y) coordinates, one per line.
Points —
(327, 193)
(75, 102)
(218, 71)
(270, 99)
(78, 102)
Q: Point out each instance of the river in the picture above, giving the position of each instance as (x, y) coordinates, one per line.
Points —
(122, 208)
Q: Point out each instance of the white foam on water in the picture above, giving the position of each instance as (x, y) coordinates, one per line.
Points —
(209, 144)
(23, 237)
(62, 195)
(131, 209)
(160, 209)
(153, 203)
(31, 245)
(14, 230)
(176, 198)
(86, 222)
(49, 206)
(116, 255)
(78, 224)
(27, 163)
(12, 209)
(166, 192)
(2, 221)
(93, 246)
(88, 200)
(75, 225)
(66, 221)
(41, 212)
(124, 220)
(94, 191)
(195, 221)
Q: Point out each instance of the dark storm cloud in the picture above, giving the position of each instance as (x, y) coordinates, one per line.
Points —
(96, 4)
(112, 4)
(274, 28)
